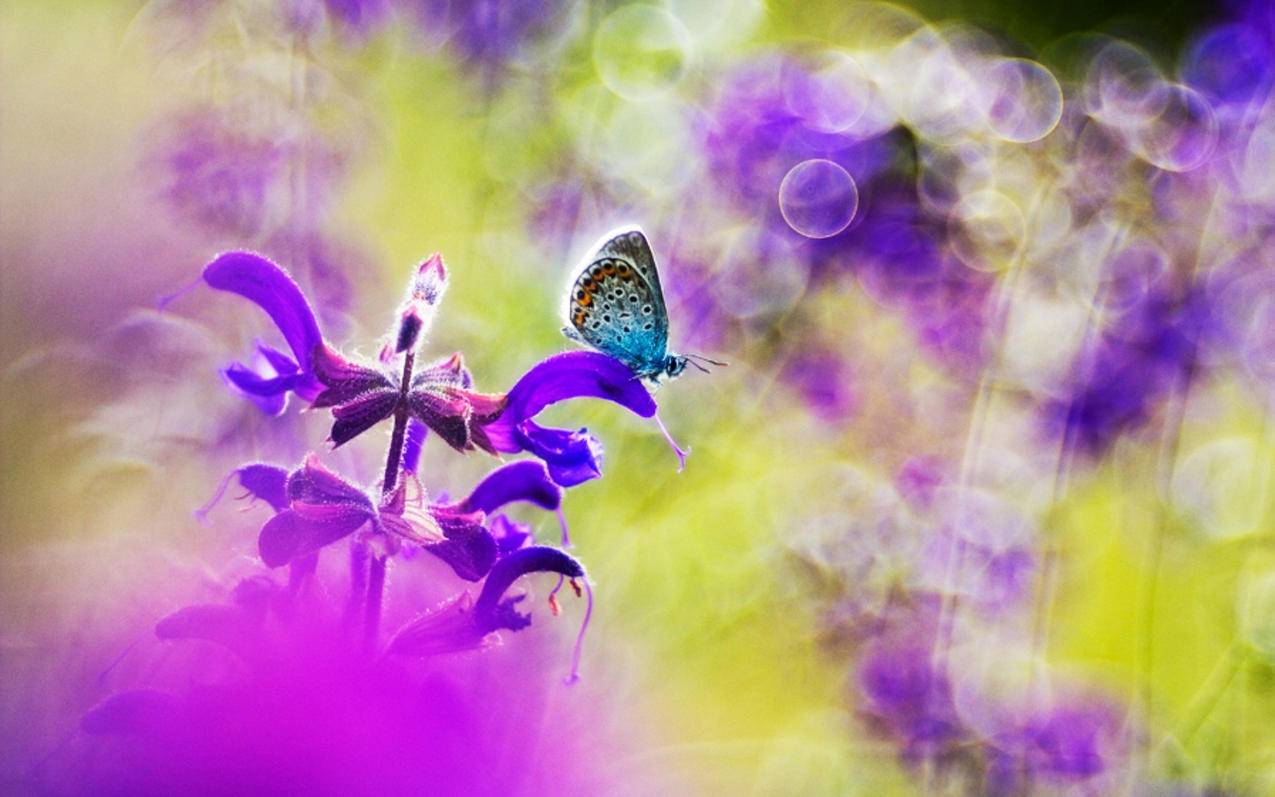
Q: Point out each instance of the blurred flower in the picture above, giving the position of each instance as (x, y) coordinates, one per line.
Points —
(303, 709)
(488, 35)
(1144, 355)
(904, 690)
(824, 379)
(236, 181)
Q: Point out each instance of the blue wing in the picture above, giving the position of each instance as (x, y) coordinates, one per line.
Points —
(614, 308)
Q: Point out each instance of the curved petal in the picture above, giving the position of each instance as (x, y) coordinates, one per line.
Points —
(576, 374)
(492, 613)
(449, 628)
(267, 482)
(519, 481)
(265, 284)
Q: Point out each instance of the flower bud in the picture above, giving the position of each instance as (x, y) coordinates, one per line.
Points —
(424, 292)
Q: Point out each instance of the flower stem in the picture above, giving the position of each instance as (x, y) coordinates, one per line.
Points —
(394, 460)
(393, 464)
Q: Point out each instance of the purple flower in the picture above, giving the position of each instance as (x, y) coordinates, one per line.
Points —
(269, 287)
(362, 396)
(1143, 356)
(824, 379)
(315, 507)
(231, 180)
(488, 34)
(907, 696)
(295, 708)
(1066, 742)
(572, 457)
(459, 625)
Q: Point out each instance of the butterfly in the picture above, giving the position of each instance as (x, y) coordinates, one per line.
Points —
(616, 306)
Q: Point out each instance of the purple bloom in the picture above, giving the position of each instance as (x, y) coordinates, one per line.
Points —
(231, 181)
(263, 283)
(488, 34)
(460, 625)
(267, 482)
(908, 697)
(324, 508)
(1066, 742)
(824, 380)
(1143, 356)
(298, 709)
(572, 457)
(362, 396)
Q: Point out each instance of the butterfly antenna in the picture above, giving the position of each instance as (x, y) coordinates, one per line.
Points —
(697, 365)
(694, 357)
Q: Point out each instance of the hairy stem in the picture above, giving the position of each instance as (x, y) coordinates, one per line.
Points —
(393, 463)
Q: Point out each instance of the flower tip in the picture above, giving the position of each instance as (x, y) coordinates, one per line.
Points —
(433, 263)
(430, 279)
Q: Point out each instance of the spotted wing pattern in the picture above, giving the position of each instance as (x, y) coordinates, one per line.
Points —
(614, 308)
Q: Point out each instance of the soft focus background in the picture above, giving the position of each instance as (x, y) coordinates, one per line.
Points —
(981, 505)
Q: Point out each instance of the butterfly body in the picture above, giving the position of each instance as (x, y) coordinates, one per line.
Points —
(617, 307)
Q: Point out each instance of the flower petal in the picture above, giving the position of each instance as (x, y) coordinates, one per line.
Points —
(344, 379)
(576, 374)
(450, 371)
(510, 534)
(416, 432)
(468, 548)
(449, 628)
(520, 481)
(490, 612)
(571, 457)
(312, 483)
(268, 286)
(267, 482)
(356, 417)
(137, 711)
(296, 532)
(447, 415)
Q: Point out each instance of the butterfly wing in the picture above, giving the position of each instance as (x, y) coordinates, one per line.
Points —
(616, 305)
